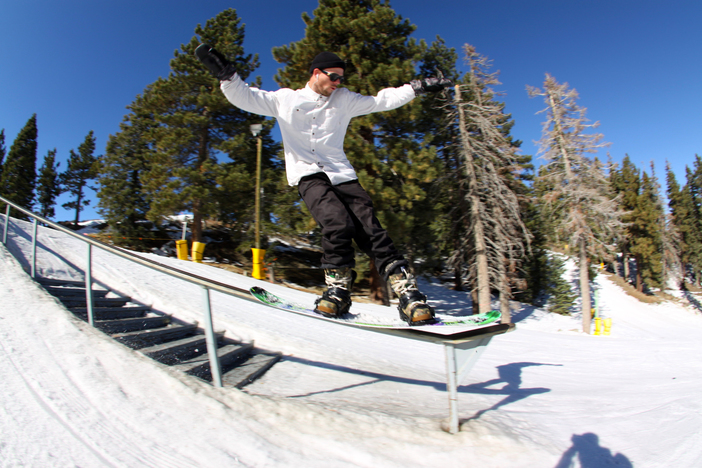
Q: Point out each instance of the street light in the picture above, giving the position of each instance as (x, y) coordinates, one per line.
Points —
(257, 252)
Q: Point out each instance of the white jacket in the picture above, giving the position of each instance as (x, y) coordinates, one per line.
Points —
(313, 126)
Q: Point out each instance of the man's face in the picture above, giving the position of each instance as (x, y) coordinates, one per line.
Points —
(322, 84)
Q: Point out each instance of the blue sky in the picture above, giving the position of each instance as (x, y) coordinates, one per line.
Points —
(636, 65)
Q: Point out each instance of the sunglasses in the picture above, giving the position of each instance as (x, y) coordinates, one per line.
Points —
(334, 76)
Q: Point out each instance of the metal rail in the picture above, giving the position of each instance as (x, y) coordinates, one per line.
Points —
(205, 283)
(461, 350)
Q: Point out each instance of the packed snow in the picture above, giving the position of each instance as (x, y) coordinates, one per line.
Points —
(545, 395)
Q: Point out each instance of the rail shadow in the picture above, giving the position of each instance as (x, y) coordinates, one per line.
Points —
(511, 376)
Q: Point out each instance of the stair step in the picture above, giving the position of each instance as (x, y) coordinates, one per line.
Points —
(77, 301)
(175, 352)
(112, 313)
(60, 282)
(228, 355)
(184, 347)
(132, 324)
(248, 371)
(70, 292)
(145, 338)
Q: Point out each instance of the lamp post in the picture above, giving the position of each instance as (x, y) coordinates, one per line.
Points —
(258, 253)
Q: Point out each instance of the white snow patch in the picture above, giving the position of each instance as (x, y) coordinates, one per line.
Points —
(545, 395)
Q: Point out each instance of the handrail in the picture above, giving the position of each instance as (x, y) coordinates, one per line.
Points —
(205, 283)
(202, 281)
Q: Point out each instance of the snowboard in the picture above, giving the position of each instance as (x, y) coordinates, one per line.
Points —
(443, 325)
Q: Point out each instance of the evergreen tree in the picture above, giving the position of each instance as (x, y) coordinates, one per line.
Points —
(560, 293)
(646, 232)
(586, 214)
(193, 124)
(395, 161)
(48, 185)
(122, 200)
(677, 225)
(430, 233)
(19, 170)
(82, 167)
(626, 185)
(688, 206)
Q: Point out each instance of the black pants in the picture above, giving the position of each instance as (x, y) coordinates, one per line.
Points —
(345, 213)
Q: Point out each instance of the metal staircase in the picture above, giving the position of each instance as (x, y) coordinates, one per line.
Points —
(162, 337)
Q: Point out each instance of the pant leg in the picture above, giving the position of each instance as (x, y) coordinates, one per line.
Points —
(370, 236)
(332, 215)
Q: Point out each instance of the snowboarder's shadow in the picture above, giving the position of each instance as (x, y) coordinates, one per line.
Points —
(590, 454)
(511, 376)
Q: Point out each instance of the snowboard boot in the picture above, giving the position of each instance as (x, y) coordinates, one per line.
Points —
(336, 300)
(413, 304)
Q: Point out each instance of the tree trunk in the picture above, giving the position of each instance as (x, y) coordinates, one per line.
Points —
(585, 288)
(196, 229)
(639, 279)
(457, 279)
(479, 236)
(625, 263)
(482, 266)
(504, 305)
(79, 200)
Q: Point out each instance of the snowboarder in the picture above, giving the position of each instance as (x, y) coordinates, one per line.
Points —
(313, 123)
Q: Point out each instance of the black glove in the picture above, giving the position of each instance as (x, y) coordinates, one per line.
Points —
(215, 62)
(430, 85)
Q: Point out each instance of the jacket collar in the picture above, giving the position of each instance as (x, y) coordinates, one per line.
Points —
(309, 93)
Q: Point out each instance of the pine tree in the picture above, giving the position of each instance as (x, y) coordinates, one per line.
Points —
(394, 160)
(19, 170)
(676, 223)
(48, 185)
(560, 294)
(494, 235)
(193, 123)
(626, 184)
(431, 229)
(646, 230)
(586, 214)
(82, 167)
(688, 217)
(122, 200)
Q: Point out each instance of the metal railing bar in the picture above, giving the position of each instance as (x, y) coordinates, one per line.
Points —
(202, 281)
(211, 340)
(34, 248)
(89, 304)
(7, 220)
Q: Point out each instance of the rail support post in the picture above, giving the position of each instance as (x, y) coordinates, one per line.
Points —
(215, 368)
(460, 359)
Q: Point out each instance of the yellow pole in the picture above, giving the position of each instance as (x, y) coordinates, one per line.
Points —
(258, 192)
(257, 252)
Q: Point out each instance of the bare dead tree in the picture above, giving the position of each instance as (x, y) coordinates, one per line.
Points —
(586, 213)
(493, 234)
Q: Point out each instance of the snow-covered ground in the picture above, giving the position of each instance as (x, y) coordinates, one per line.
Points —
(545, 395)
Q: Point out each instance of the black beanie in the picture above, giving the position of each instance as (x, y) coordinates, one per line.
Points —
(327, 60)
